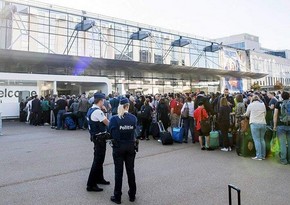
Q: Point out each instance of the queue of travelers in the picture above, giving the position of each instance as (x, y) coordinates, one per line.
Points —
(119, 118)
(264, 109)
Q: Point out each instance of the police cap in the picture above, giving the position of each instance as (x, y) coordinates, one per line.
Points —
(124, 101)
(99, 96)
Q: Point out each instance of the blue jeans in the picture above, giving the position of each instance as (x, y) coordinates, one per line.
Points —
(59, 119)
(283, 133)
(188, 125)
(258, 133)
(82, 120)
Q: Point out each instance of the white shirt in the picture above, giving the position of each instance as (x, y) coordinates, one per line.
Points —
(29, 105)
(257, 112)
(190, 107)
(98, 115)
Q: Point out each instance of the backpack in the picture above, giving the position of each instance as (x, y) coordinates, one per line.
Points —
(185, 112)
(177, 108)
(70, 123)
(144, 113)
(285, 111)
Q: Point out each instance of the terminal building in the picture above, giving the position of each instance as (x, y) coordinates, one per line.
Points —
(54, 50)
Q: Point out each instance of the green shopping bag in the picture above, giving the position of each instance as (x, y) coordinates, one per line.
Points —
(275, 146)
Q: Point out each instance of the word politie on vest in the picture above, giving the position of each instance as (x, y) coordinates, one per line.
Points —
(127, 127)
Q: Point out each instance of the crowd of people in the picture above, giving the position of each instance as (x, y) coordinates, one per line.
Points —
(185, 110)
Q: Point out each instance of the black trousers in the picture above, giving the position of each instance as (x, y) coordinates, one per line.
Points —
(225, 130)
(125, 153)
(145, 127)
(35, 118)
(97, 173)
(46, 116)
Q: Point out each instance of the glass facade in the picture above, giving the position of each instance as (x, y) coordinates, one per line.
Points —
(37, 27)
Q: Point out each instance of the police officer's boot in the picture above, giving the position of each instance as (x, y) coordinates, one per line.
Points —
(94, 188)
(131, 197)
(115, 200)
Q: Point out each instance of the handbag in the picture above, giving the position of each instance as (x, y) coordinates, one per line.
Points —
(274, 144)
(185, 112)
(205, 125)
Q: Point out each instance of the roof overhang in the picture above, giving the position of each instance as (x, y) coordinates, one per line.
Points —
(11, 58)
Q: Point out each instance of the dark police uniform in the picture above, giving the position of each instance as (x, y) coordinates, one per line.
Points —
(122, 131)
(95, 118)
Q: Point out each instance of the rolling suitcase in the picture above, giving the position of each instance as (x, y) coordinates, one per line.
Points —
(69, 123)
(165, 136)
(230, 187)
(245, 145)
(178, 132)
(214, 136)
(155, 130)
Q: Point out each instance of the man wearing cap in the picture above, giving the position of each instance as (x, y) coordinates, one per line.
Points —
(122, 127)
(98, 123)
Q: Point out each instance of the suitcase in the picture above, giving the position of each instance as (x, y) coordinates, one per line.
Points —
(165, 136)
(155, 130)
(69, 123)
(245, 145)
(214, 140)
(230, 187)
(178, 132)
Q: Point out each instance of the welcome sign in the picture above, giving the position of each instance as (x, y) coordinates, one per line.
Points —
(9, 98)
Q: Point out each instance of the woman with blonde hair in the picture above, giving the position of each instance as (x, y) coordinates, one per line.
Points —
(224, 122)
(122, 127)
(256, 111)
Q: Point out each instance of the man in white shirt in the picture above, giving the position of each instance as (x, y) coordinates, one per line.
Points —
(97, 124)
(188, 121)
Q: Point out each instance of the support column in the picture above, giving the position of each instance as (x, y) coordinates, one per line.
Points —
(1, 124)
(54, 88)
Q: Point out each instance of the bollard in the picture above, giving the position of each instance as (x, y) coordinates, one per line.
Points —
(0, 124)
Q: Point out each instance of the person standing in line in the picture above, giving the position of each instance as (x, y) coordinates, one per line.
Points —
(256, 111)
(83, 109)
(61, 105)
(224, 122)
(201, 114)
(188, 121)
(240, 109)
(97, 124)
(122, 127)
(36, 111)
(146, 119)
(283, 128)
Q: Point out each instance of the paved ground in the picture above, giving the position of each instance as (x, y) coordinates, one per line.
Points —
(43, 166)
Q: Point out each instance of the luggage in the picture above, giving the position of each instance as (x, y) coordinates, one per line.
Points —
(214, 139)
(214, 136)
(178, 132)
(230, 187)
(268, 138)
(230, 137)
(69, 123)
(155, 130)
(165, 136)
(245, 145)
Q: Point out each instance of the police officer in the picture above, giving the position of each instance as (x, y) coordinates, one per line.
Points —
(122, 127)
(97, 124)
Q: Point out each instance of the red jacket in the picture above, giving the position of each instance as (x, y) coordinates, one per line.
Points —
(199, 114)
